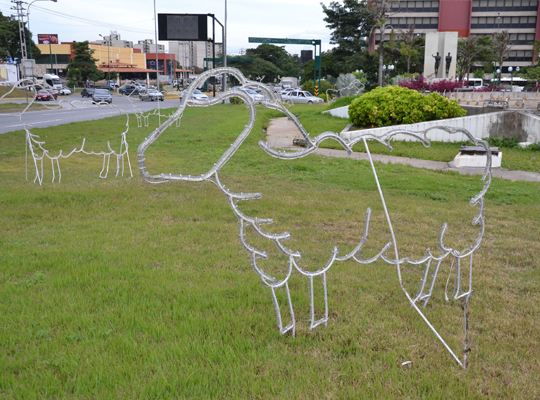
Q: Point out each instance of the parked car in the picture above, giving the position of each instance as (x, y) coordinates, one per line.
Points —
(101, 95)
(151, 95)
(53, 93)
(87, 92)
(138, 83)
(113, 83)
(44, 95)
(197, 95)
(287, 90)
(65, 91)
(302, 97)
(257, 98)
(108, 87)
(129, 89)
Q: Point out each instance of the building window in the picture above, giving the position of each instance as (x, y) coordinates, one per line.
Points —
(502, 5)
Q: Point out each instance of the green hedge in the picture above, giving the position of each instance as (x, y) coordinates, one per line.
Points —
(395, 105)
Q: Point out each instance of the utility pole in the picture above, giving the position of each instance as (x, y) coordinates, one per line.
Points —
(22, 34)
(224, 52)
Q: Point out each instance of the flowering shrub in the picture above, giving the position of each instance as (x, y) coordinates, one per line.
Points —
(421, 84)
(485, 89)
(398, 105)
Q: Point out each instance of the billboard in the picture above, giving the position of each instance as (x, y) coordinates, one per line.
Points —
(306, 55)
(185, 27)
(8, 74)
(47, 38)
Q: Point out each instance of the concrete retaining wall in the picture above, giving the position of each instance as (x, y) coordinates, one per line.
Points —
(499, 124)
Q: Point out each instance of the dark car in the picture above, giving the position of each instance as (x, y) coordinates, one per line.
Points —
(151, 95)
(129, 89)
(108, 87)
(102, 95)
(87, 92)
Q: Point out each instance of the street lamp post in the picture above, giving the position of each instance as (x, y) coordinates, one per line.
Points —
(28, 21)
(498, 78)
(108, 60)
(511, 70)
(384, 72)
(390, 68)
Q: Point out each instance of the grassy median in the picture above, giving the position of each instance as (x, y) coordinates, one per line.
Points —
(117, 288)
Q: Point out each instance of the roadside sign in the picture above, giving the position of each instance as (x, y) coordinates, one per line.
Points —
(316, 90)
(47, 38)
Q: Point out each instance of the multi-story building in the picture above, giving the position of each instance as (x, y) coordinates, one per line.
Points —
(192, 54)
(148, 46)
(472, 18)
(114, 40)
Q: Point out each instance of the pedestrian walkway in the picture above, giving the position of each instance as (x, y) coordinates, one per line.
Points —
(282, 131)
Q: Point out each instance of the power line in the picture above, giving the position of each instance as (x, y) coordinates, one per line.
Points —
(93, 22)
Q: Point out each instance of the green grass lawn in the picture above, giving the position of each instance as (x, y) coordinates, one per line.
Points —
(4, 90)
(18, 107)
(315, 122)
(117, 288)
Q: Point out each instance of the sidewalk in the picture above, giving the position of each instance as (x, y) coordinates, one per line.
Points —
(282, 131)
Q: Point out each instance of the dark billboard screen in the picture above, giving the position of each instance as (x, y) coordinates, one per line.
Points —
(306, 55)
(189, 27)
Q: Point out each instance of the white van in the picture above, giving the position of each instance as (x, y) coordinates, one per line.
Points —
(51, 81)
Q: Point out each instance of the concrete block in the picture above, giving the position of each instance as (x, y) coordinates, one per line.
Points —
(476, 161)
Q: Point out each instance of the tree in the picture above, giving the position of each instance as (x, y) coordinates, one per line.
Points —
(74, 76)
(269, 61)
(286, 64)
(85, 63)
(379, 12)
(350, 24)
(257, 68)
(329, 66)
(501, 46)
(410, 45)
(536, 50)
(10, 42)
(471, 50)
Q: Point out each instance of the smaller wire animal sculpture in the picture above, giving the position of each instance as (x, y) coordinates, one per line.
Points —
(38, 152)
(356, 87)
(430, 261)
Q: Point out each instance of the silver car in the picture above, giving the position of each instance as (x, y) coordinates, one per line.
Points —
(302, 97)
(102, 95)
(197, 95)
(257, 98)
(151, 95)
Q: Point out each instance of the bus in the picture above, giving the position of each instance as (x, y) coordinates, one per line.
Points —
(518, 83)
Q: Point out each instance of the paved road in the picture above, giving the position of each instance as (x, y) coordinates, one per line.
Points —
(76, 109)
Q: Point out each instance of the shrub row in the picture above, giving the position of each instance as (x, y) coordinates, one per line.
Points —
(395, 105)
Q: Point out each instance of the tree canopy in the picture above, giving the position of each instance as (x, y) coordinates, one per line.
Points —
(10, 43)
(270, 61)
(350, 23)
(84, 63)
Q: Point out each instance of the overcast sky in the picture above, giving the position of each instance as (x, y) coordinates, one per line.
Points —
(134, 19)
